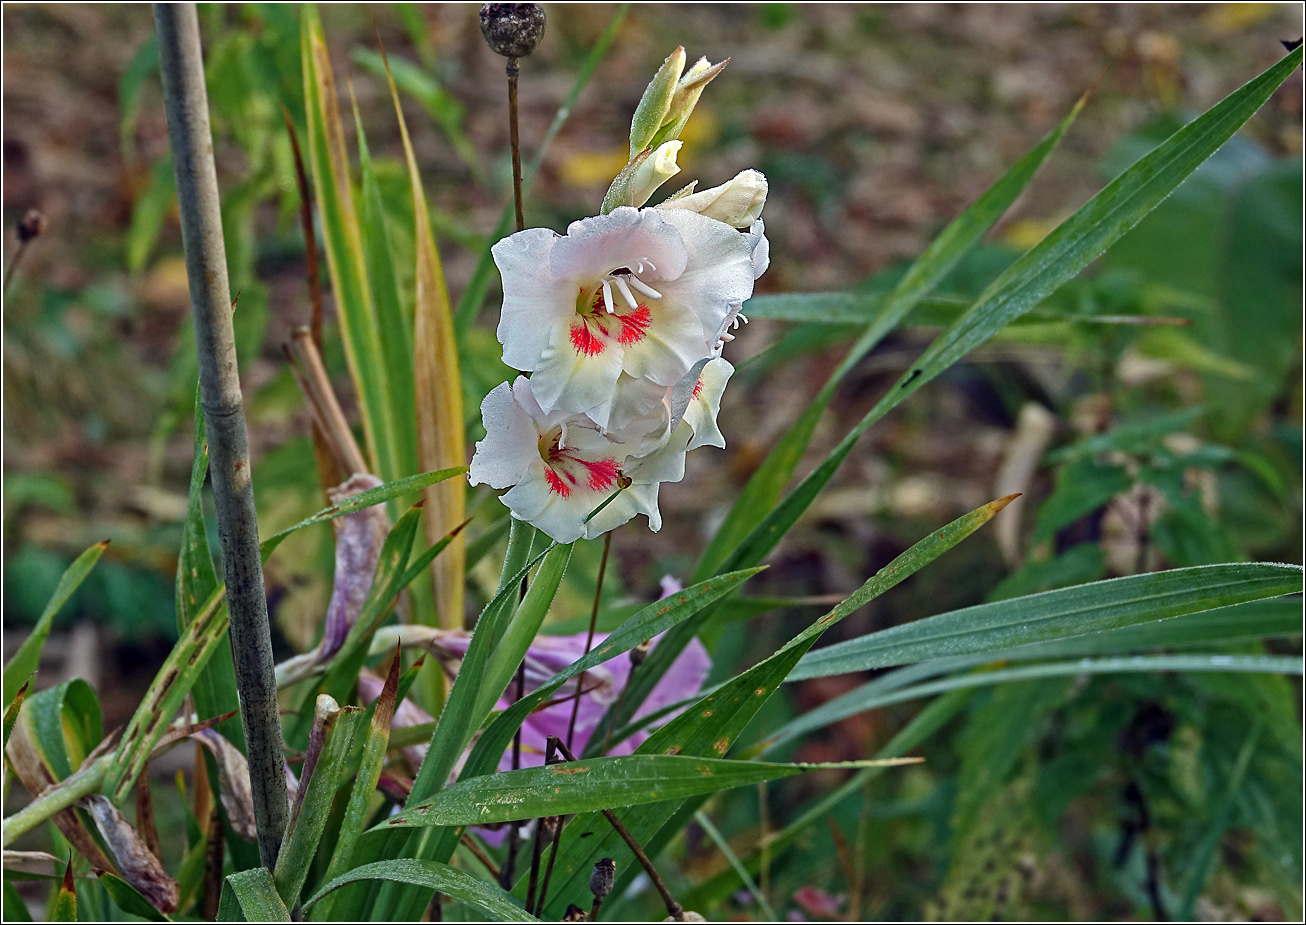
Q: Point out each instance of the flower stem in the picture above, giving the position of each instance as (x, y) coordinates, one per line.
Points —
(186, 101)
(589, 640)
(674, 909)
(514, 139)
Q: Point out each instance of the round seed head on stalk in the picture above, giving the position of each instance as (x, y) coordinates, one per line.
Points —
(513, 30)
(32, 225)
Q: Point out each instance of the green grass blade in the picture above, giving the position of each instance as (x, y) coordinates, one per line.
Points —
(337, 726)
(866, 698)
(65, 902)
(592, 784)
(926, 723)
(250, 896)
(656, 618)
(215, 689)
(129, 899)
(379, 495)
(394, 324)
(714, 723)
(1204, 858)
(342, 241)
(369, 772)
(946, 251)
(11, 711)
(1055, 260)
(28, 656)
(173, 682)
(736, 865)
(1089, 608)
(435, 876)
(521, 630)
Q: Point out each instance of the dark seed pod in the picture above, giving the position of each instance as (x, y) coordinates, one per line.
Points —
(513, 30)
(605, 873)
(32, 225)
(574, 913)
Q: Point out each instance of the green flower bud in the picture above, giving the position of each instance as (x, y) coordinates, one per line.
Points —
(688, 89)
(652, 112)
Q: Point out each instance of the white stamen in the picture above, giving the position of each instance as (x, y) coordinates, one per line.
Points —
(625, 292)
(562, 437)
(607, 297)
(727, 336)
(644, 288)
(742, 317)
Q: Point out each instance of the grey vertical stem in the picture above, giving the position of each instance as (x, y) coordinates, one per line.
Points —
(182, 65)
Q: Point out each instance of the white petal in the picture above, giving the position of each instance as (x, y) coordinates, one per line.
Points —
(534, 300)
(717, 275)
(701, 414)
(671, 344)
(756, 236)
(510, 444)
(598, 245)
(573, 382)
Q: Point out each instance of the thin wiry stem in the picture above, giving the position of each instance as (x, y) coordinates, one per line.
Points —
(589, 640)
(674, 909)
(181, 65)
(513, 72)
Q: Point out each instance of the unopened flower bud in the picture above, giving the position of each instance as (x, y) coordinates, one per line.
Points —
(688, 89)
(655, 105)
(605, 874)
(640, 178)
(737, 203)
(513, 30)
(32, 225)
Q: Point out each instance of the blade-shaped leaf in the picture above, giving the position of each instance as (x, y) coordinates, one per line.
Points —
(342, 240)
(129, 899)
(1055, 260)
(946, 251)
(451, 881)
(25, 660)
(251, 896)
(714, 723)
(1090, 608)
(592, 784)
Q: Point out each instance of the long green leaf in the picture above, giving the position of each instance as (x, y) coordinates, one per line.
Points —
(342, 241)
(337, 726)
(173, 682)
(129, 899)
(923, 726)
(511, 648)
(251, 896)
(1090, 608)
(946, 251)
(65, 902)
(379, 495)
(866, 698)
(1055, 260)
(215, 688)
(714, 723)
(369, 772)
(435, 876)
(654, 619)
(25, 660)
(593, 784)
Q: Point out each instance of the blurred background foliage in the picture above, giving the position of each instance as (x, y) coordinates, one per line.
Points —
(1174, 439)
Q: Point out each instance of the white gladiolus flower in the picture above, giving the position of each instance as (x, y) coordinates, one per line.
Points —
(559, 467)
(644, 293)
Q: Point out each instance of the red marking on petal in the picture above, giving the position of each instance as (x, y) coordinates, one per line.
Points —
(634, 325)
(556, 484)
(603, 473)
(698, 387)
(583, 339)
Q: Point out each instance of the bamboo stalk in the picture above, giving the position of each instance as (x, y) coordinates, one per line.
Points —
(190, 138)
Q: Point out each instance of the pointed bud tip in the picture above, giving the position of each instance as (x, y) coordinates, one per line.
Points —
(513, 30)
